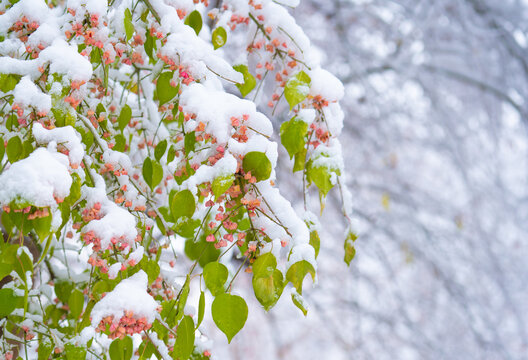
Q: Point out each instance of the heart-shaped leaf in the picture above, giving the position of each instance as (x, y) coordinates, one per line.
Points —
(229, 314)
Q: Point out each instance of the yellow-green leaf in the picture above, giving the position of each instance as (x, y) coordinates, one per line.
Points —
(249, 80)
(215, 276)
(219, 37)
(292, 135)
(259, 165)
(194, 20)
(221, 184)
(129, 26)
(297, 88)
(229, 314)
(297, 272)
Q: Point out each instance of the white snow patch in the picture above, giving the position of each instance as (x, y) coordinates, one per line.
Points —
(37, 179)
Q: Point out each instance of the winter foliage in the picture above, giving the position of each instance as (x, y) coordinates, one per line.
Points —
(136, 172)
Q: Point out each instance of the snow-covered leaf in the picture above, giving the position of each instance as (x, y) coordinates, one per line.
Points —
(249, 80)
(219, 37)
(297, 88)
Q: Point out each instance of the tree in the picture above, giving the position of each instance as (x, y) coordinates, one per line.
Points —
(130, 161)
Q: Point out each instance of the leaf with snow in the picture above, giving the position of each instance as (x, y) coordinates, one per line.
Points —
(297, 88)
(249, 80)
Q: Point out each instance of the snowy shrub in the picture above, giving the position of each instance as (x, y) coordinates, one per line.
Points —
(136, 171)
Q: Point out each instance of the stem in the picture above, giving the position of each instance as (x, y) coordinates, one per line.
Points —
(234, 277)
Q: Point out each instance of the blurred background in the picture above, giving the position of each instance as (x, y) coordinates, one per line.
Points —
(436, 150)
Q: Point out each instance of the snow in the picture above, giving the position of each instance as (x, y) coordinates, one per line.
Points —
(302, 252)
(117, 223)
(27, 94)
(64, 59)
(137, 254)
(66, 136)
(215, 108)
(290, 3)
(225, 166)
(113, 270)
(44, 35)
(325, 84)
(129, 295)
(99, 7)
(34, 10)
(184, 45)
(37, 179)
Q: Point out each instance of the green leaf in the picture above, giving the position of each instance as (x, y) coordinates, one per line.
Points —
(44, 350)
(7, 302)
(219, 37)
(171, 154)
(160, 149)
(14, 149)
(7, 256)
(147, 171)
(268, 289)
(164, 89)
(146, 349)
(297, 272)
(258, 163)
(2, 148)
(23, 264)
(264, 265)
(5, 268)
(184, 339)
(183, 297)
(75, 189)
(76, 303)
(215, 276)
(315, 241)
(42, 226)
(27, 148)
(268, 282)
(321, 176)
(74, 352)
(129, 27)
(85, 321)
(8, 82)
(202, 251)
(229, 314)
(297, 88)
(194, 20)
(124, 117)
(100, 108)
(221, 184)
(152, 173)
(152, 268)
(292, 135)
(201, 309)
(299, 161)
(190, 142)
(183, 204)
(120, 143)
(298, 301)
(63, 290)
(350, 250)
(121, 349)
(249, 80)
(149, 46)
